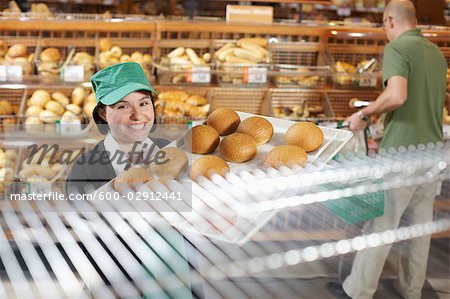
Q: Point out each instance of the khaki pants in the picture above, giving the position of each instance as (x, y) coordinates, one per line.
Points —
(415, 204)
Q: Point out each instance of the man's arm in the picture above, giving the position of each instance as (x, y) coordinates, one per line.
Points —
(393, 97)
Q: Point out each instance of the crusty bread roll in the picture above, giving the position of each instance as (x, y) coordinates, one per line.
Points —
(61, 98)
(88, 108)
(75, 109)
(257, 127)
(39, 98)
(78, 95)
(202, 139)
(224, 120)
(196, 100)
(33, 111)
(286, 155)
(55, 106)
(17, 50)
(306, 135)
(50, 55)
(8, 108)
(238, 148)
(208, 165)
(170, 166)
(132, 176)
(105, 44)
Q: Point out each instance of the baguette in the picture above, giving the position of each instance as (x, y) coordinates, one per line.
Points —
(227, 46)
(238, 60)
(249, 55)
(254, 47)
(223, 55)
(193, 56)
(179, 60)
(262, 42)
(176, 53)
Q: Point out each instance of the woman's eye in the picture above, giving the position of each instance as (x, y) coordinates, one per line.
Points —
(145, 103)
(121, 106)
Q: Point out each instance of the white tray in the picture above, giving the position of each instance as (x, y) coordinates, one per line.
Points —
(216, 196)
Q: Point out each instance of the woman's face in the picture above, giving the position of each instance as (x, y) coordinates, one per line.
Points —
(131, 118)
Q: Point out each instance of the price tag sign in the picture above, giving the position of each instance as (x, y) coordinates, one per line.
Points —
(11, 72)
(2, 73)
(256, 75)
(39, 188)
(107, 2)
(199, 75)
(344, 11)
(74, 73)
(367, 81)
(69, 126)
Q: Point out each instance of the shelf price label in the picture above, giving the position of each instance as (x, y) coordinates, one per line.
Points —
(41, 188)
(366, 81)
(199, 75)
(11, 72)
(344, 11)
(256, 75)
(73, 73)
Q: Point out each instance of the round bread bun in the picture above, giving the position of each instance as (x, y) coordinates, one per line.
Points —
(207, 166)
(33, 111)
(39, 98)
(132, 176)
(17, 50)
(224, 120)
(73, 109)
(238, 148)
(50, 55)
(172, 165)
(306, 135)
(78, 95)
(105, 44)
(55, 106)
(61, 98)
(201, 139)
(286, 155)
(258, 127)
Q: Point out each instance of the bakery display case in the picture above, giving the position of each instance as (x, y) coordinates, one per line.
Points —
(255, 223)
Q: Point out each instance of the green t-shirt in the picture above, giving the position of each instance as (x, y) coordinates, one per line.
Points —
(419, 119)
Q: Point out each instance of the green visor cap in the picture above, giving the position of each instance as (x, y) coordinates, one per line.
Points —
(113, 83)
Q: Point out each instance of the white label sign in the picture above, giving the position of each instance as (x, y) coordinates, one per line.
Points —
(41, 188)
(71, 126)
(10, 72)
(256, 75)
(344, 11)
(367, 81)
(74, 73)
(199, 75)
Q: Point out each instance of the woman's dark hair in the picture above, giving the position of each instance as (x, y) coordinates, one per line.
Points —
(102, 124)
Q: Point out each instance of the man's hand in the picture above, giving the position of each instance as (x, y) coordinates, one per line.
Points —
(355, 122)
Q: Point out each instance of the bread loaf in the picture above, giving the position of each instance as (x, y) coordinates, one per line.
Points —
(257, 127)
(207, 166)
(224, 120)
(238, 148)
(306, 135)
(286, 155)
(202, 139)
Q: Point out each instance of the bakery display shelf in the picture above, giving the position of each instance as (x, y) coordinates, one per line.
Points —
(340, 100)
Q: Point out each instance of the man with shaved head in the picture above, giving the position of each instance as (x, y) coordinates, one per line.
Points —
(414, 77)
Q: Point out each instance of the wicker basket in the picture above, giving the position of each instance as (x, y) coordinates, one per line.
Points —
(340, 100)
(300, 105)
(240, 99)
(15, 97)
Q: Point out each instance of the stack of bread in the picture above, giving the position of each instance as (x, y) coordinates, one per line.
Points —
(46, 108)
(41, 167)
(232, 57)
(173, 105)
(240, 141)
(7, 165)
(346, 73)
(300, 111)
(13, 9)
(16, 54)
(40, 10)
(111, 54)
(182, 59)
(86, 60)
(50, 60)
(8, 113)
(302, 76)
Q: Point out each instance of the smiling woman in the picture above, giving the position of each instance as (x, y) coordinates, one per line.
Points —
(125, 114)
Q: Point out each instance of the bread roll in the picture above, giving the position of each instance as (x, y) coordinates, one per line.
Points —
(209, 165)
(257, 127)
(238, 148)
(17, 50)
(55, 107)
(45, 171)
(172, 165)
(286, 155)
(88, 108)
(224, 120)
(7, 107)
(39, 98)
(33, 111)
(132, 176)
(306, 135)
(47, 116)
(61, 98)
(78, 95)
(50, 55)
(74, 109)
(105, 44)
(202, 139)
